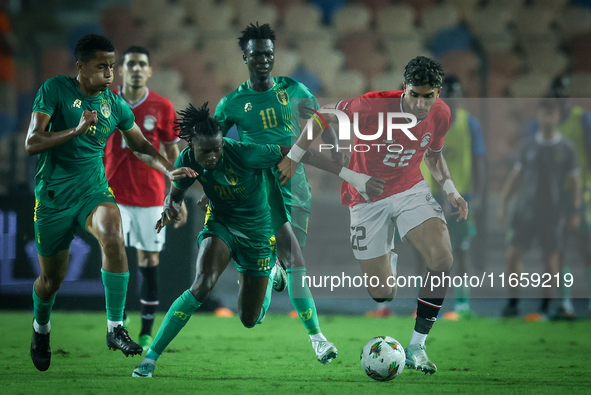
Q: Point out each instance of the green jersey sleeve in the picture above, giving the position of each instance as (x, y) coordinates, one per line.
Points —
(222, 116)
(307, 99)
(260, 156)
(47, 97)
(126, 117)
(186, 159)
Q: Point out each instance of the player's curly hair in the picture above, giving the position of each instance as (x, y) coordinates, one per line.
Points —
(87, 47)
(424, 71)
(196, 122)
(252, 32)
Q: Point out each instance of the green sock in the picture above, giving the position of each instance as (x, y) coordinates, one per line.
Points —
(267, 300)
(462, 294)
(175, 319)
(42, 308)
(115, 293)
(458, 295)
(302, 300)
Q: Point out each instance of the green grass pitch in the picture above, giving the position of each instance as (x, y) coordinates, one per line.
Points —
(218, 356)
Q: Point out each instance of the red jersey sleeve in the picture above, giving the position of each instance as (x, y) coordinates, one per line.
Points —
(167, 131)
(346, 105)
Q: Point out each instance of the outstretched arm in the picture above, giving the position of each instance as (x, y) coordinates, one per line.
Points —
(150, 156)
(172, 153)
(366, 185)
(288, 165)
(38, 140)
(329, 136)
(172, 207)
(440, 172)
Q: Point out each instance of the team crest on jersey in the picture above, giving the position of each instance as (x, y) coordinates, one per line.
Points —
(77, 103)
(247, 107)
(283, 97)
(429, 197)
(150, 122)
(230, 177)
(426, 139)
(106, 109)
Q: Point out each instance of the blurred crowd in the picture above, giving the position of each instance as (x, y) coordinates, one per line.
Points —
(338, 48)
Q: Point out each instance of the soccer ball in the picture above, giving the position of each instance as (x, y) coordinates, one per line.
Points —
(383, 358)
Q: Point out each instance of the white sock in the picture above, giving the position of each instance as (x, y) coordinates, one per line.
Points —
(41, 329)
(418, 338)
(567, 304)
(317, 337)
(111, 325)
(148, 360)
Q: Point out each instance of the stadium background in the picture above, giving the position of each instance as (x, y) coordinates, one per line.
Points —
(501, 50)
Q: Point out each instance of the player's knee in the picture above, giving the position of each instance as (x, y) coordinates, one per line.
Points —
(111, 241)
(201, 288)
(149, 260)
(297, 261)
(52, 284)
(292, 258)
(382, 294)
(441, 261)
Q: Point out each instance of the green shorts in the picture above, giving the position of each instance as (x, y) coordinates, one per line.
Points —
(253, 257)
(299, 223)
(54, 228)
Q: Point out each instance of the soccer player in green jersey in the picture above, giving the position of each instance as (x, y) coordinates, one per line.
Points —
(238, 226)
(268, 109)
(71, 121)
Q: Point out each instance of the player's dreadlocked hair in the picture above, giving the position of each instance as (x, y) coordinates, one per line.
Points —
(195, 122)
(424, 71)
(257, 32)
(87, 47)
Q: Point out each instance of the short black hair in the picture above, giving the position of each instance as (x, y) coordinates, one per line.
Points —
(424, 71)
(87, 47)
(136, 49)
(195, 122)
(252, 32)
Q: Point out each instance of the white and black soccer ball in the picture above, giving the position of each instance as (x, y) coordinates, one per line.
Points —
(382, 358)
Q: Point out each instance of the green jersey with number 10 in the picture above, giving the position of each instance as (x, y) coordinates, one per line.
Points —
(272, 117)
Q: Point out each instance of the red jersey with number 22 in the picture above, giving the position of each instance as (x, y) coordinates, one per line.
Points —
(401, 170)
(133, 182)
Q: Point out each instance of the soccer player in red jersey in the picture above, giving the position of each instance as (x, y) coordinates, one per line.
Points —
(406, 202)
(139, 189)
